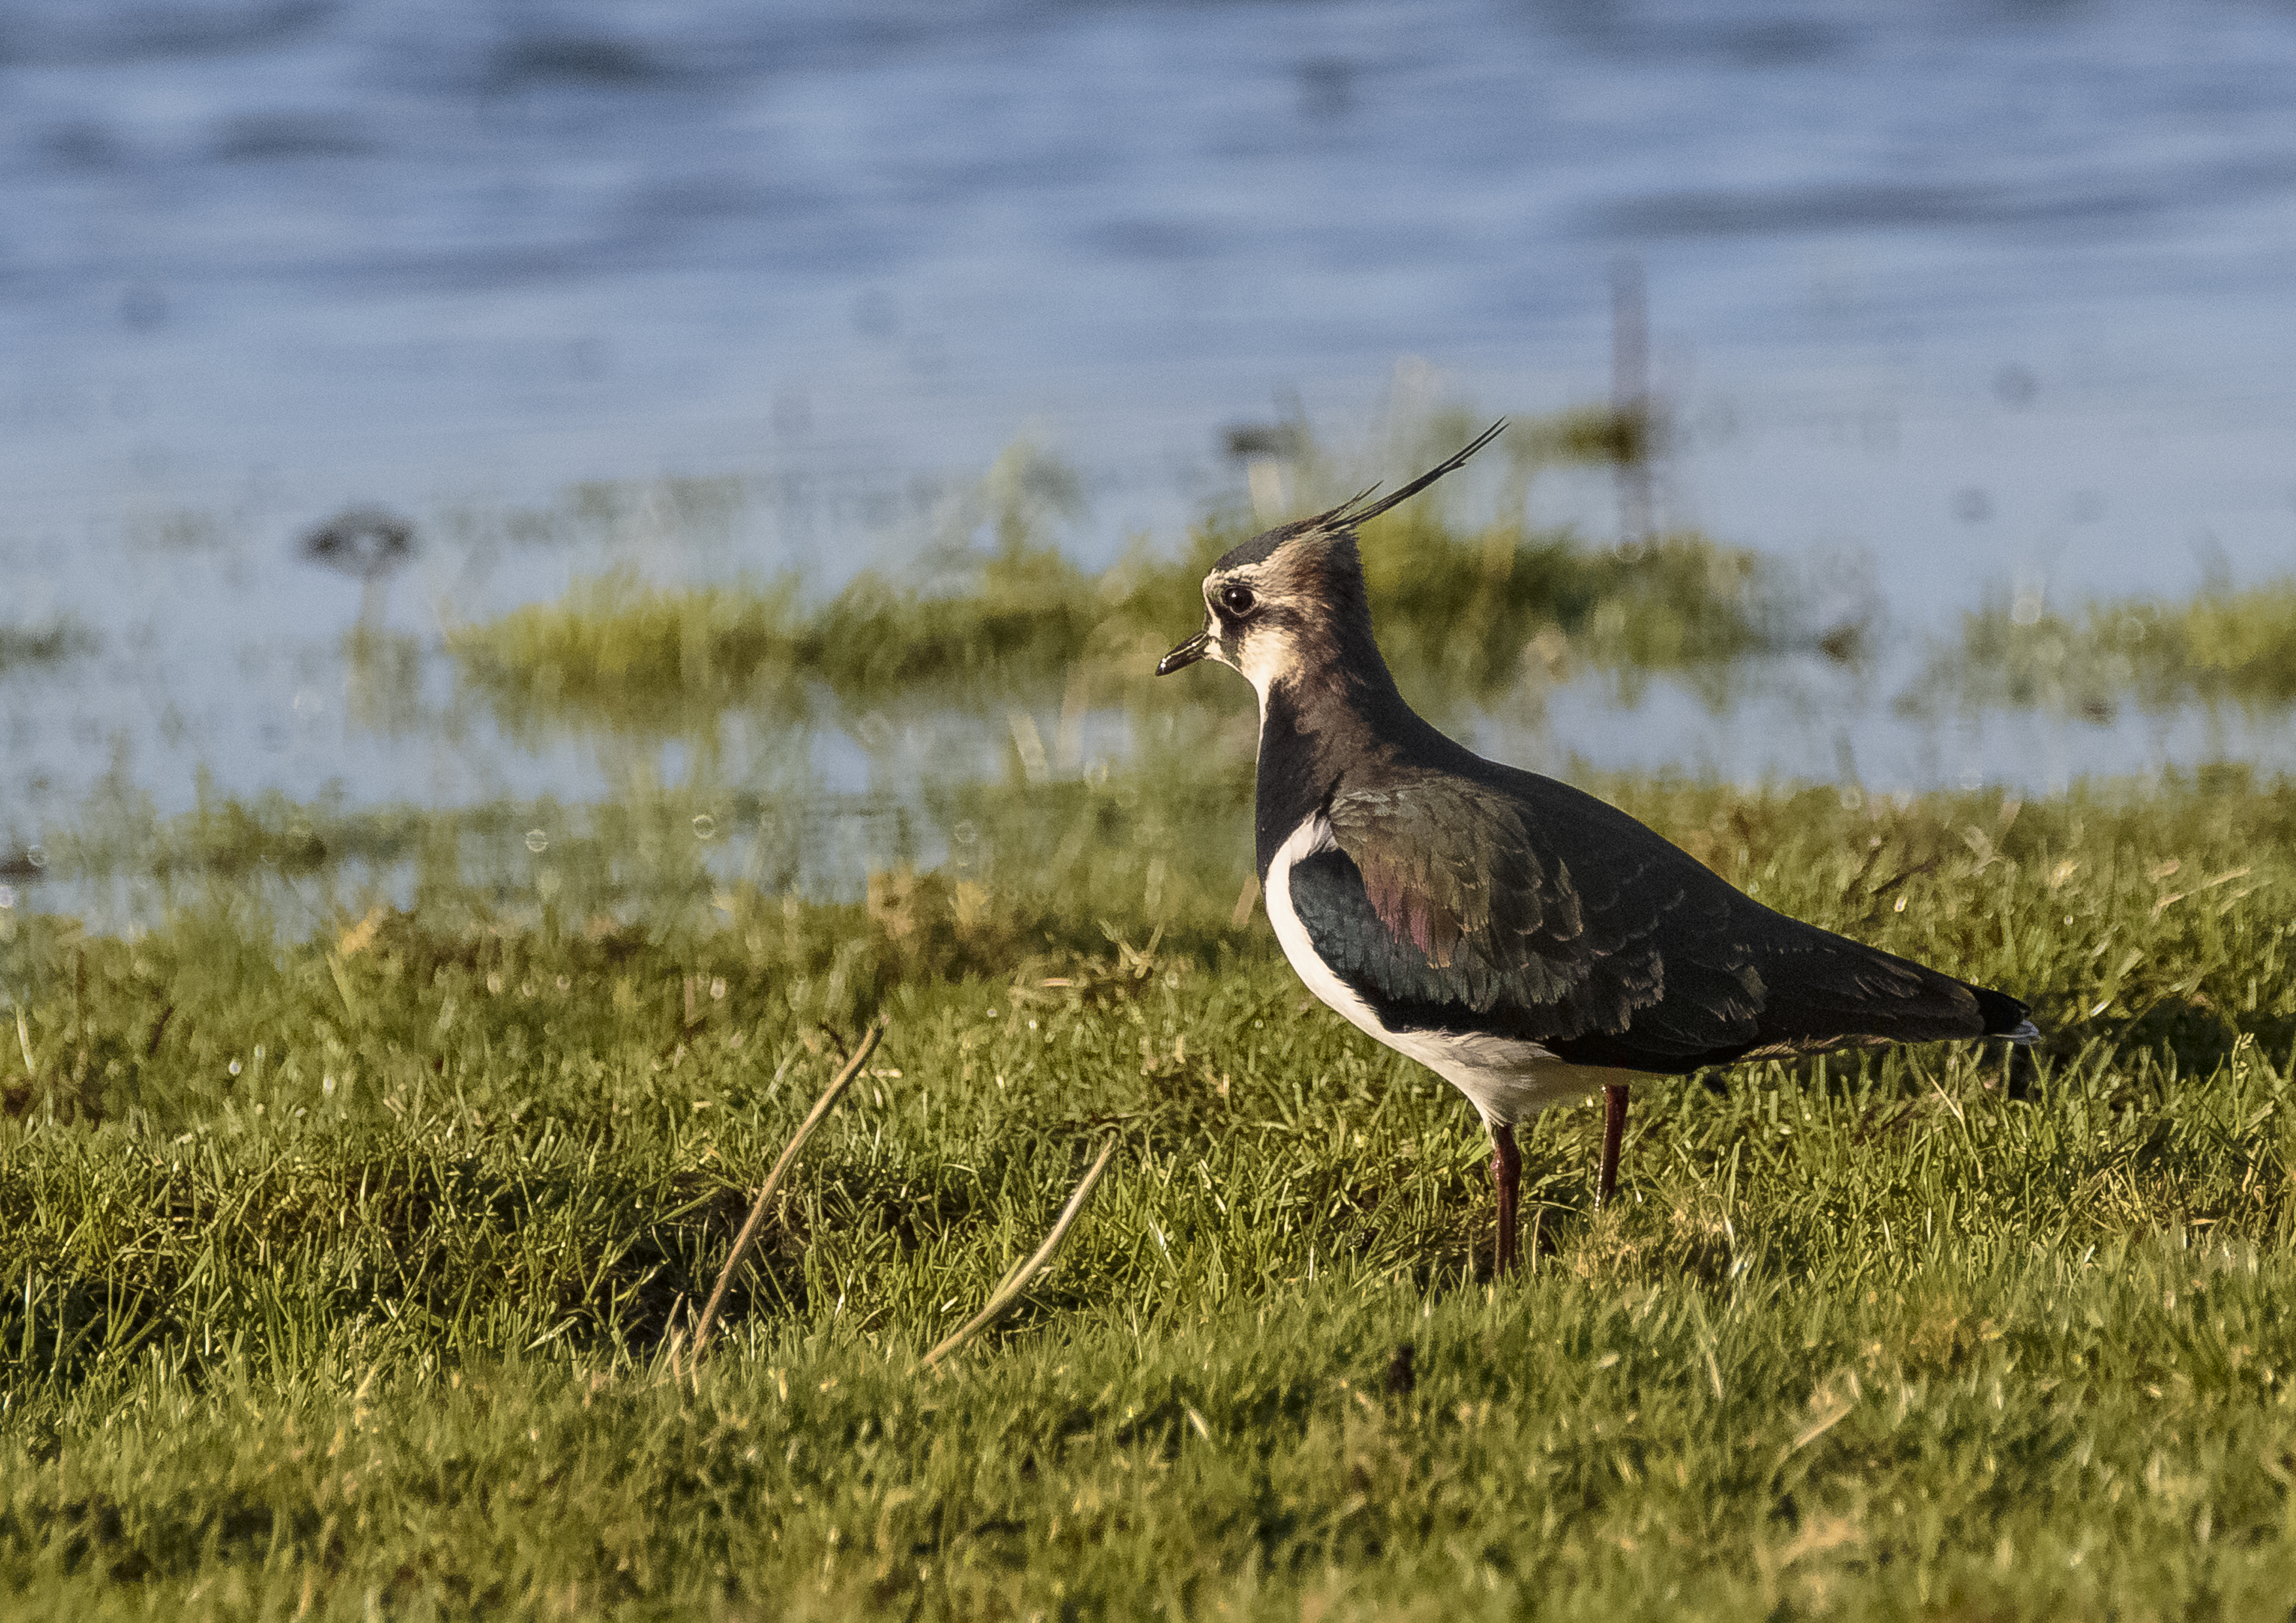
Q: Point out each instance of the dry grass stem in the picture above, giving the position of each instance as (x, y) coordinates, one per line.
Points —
(1008, 1290)
(757, 1217)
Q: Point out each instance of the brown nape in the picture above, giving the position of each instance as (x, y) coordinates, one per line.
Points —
(1337, 687)
(1315, 582)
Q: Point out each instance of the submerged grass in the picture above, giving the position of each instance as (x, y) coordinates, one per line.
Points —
(2222, 646)
(348, 1274)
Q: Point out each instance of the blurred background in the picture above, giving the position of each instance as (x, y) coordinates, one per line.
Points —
(451, 404)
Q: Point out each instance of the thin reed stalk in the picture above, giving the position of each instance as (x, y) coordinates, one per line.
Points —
(1009, 1289)
(742, 1241)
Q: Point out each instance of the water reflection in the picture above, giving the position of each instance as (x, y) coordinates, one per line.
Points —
(383, 681)
(368, 543)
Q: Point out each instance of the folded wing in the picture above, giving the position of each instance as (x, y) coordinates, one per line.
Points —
(1442, 900)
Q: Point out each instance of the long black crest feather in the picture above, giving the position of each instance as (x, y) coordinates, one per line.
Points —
(1351, 512)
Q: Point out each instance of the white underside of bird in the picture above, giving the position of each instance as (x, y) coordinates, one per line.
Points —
(1506, 1079)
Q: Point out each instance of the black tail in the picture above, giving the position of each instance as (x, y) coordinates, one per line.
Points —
(2004, 1016)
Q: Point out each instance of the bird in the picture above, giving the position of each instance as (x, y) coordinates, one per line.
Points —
(1525, 940)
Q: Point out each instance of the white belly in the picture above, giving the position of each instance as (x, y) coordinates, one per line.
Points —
(1503, 1079)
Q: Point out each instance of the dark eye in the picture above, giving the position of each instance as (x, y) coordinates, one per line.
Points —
(1237, 599)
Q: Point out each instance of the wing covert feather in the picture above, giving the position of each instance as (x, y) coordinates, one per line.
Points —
(1445, 901)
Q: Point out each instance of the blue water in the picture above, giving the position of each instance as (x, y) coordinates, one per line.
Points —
(1966, 294)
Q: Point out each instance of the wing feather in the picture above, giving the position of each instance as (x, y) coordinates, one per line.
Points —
(1447, 901)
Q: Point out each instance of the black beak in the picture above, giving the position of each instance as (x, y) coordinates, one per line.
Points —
(1186, 654)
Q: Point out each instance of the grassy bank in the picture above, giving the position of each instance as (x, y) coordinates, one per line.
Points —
(1467, 610)
(995, 608)
(2221, 646)
(347, 1269)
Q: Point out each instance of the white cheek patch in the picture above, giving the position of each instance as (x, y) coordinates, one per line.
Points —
(1266, 654)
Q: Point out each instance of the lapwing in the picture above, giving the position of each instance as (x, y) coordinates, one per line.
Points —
(1524, 940)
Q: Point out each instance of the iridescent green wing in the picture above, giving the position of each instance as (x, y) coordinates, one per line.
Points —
(1445, 901)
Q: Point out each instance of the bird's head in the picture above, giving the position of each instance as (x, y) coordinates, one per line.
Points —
(1291, 600)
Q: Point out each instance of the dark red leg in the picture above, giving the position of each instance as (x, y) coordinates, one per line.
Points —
(1614, 1132)
(1506, 1183)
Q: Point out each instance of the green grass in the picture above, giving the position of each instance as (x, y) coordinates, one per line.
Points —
(618, 650)
(2223, 646)
(996, 609)
(346, 1269)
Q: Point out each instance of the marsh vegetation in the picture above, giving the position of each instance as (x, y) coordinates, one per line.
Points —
(996, 609)
(350, 1265)
(2224, 646)
(360, 1185)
